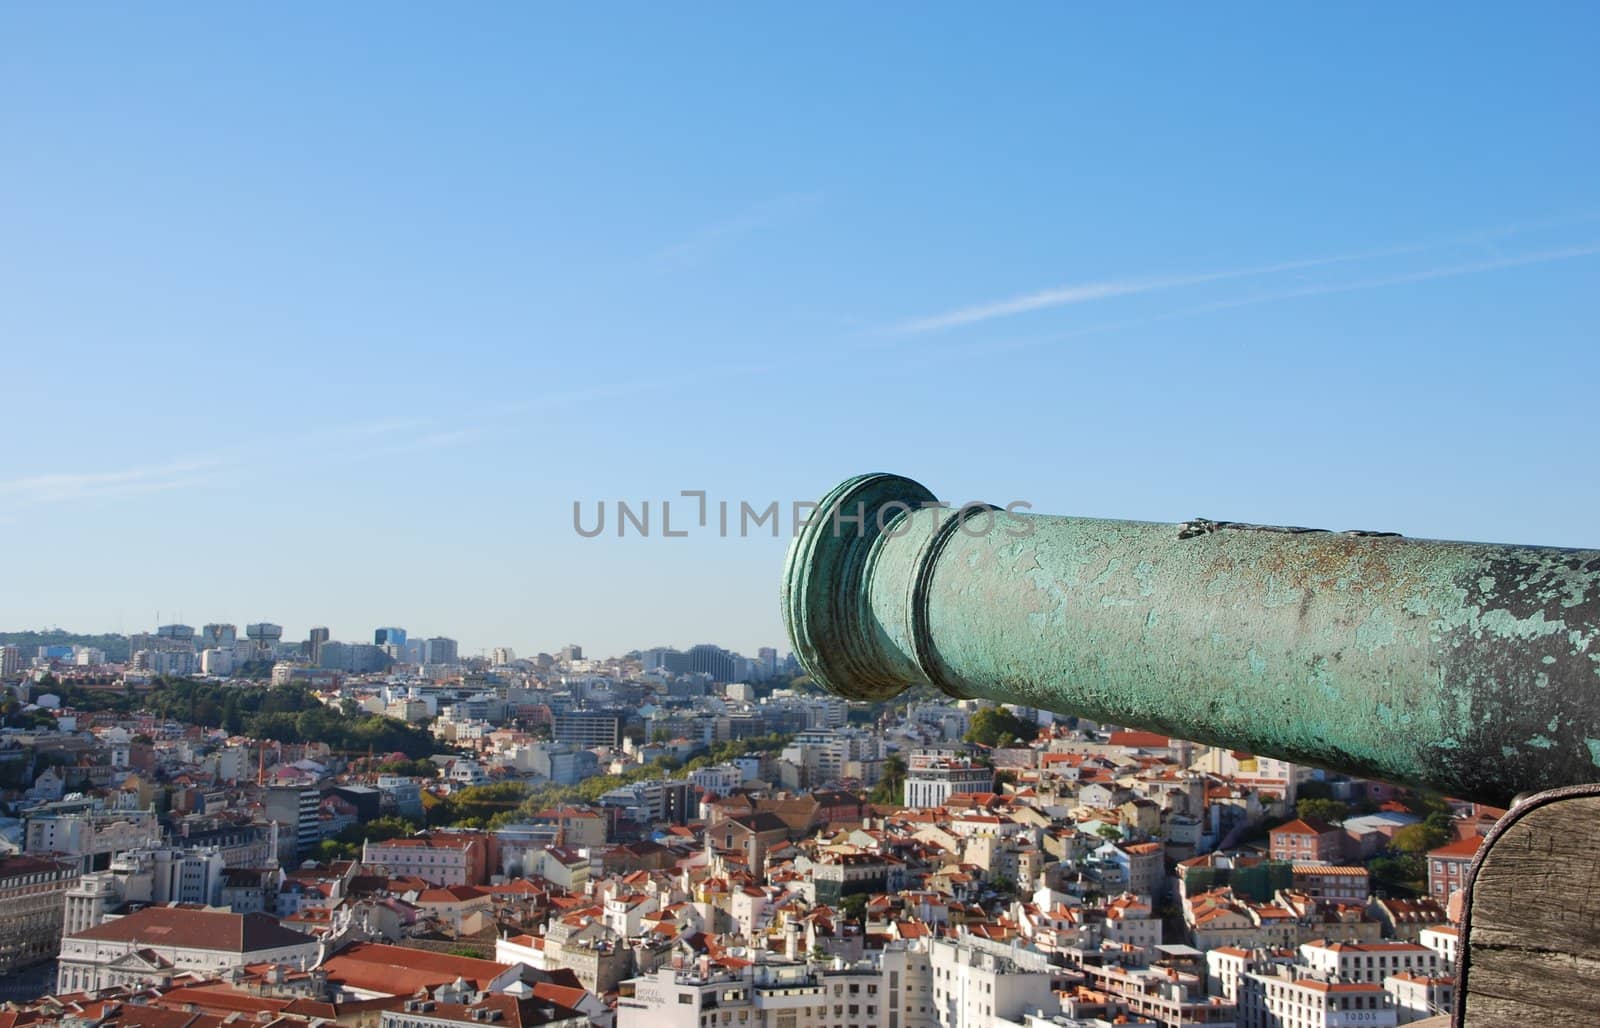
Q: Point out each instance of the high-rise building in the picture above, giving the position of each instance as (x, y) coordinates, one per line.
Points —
(314, 643)
(183, 634)
(389, 637)
(441, 651)
(10, 661)
(669, 661)
(356, 658)
(571, 652)
(218, 636)
(264, 638)
(503, 655)
(714, 661)
(296, 810)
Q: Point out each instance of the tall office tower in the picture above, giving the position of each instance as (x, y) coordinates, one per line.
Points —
(389, 637)
(571, 652)
(10, 661)
(264, 638)
(503, 655)
(712, 660)
(441, 651)
(314, 643)
(180, 635)
(218, 637)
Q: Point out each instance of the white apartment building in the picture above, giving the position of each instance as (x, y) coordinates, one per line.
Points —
(467, 772)
(976, 981)
(1420, 996)
(216, 661)
(1283, 1001)
(931, 782)
(721, 779)
(763, 996)
(155, 876)
(1369, 962)
(438, 859)
(894, 991)
(1442, 939)
(91, 837)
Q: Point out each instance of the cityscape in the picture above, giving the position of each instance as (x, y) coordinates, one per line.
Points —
(217, 822)
(640, 515)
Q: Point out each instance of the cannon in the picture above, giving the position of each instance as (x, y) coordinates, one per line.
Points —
(1469, 668)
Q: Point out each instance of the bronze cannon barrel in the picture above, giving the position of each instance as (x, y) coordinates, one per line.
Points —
(1470, 668)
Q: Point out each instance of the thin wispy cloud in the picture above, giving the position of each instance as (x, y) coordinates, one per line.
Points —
(1448, 271)
(1089, 292)
(1566, 253)
(61, 487)
(342, 441)
(1067, 295)
(709, 240)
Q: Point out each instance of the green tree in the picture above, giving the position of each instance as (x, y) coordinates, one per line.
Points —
(1322, 809)
(993, 725)
(890, 790)
(232, 718)
(1419, 838)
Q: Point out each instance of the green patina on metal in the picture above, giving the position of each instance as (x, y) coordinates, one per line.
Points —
(1471, 668)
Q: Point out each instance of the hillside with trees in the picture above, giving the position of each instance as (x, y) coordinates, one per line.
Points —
(287, 713)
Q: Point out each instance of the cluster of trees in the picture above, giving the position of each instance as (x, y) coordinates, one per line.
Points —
(1405, 866)
(287, 713)
(13, 715)
(1320, 809)
(347, 844)
(419, 768)
(997, 726)
(502, 803)
(479, 806)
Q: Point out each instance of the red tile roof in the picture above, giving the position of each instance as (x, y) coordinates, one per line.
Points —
(195, 928)
(1461, 849)
(399, 971)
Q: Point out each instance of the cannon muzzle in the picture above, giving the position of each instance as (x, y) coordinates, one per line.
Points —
(1470, 668)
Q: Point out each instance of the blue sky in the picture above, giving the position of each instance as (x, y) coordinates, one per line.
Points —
(329, 316)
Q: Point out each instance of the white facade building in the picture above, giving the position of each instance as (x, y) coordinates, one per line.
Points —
(976, 981)
(156, 943)
(1283, 1001)
(1369, 962)
(936, 781)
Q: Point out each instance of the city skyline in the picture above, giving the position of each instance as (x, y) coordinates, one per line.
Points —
(359, 303)
(291, 637)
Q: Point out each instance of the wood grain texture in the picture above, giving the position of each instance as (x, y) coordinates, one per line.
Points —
(1532, 937)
